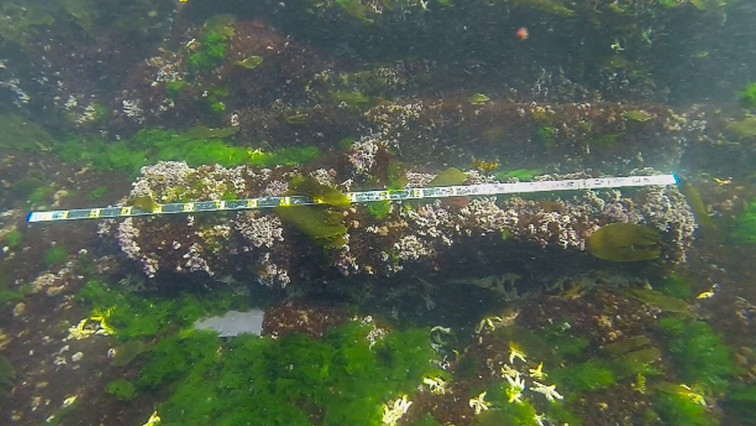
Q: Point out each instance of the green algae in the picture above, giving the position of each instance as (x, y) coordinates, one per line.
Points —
(250, 62)
(122, 389)
(679, 410)
(743, 129)
(23, 21)
(7, 376)
(502, 412)
(379, 209)
(658, 300)
(322, 194)
(552, 7)
(324, 226)
(12, 238)
(742, 400)
(698, 354)
(478, 99)
(55, 256)
(212, 50)
(747, 97)
(624, 242)
(637, 115)
(20, 134)
(449, 177)
(197, 147)
(675, 285)
(589, 376)
(134, 315)
(343, 377)
(744, 231)
(522, 175)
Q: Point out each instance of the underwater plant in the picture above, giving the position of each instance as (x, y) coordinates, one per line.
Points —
(198, 146)
(698, 353)
(324, 226)
(55, 256)
(624, 242)
(212, 51)
(7, 376)
(343, 378)
(748, 96)
(122, 389)
(744, 231)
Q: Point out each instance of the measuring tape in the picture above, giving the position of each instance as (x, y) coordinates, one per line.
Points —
(360, 197)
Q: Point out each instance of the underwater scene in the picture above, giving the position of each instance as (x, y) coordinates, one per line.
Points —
(378, 212)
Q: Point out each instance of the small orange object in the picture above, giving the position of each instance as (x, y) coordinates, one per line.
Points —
(522, 33)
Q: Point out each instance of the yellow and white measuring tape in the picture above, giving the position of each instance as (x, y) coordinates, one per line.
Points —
(355, 197)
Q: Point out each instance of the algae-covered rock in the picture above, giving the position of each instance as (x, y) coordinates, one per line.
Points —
(625, 242)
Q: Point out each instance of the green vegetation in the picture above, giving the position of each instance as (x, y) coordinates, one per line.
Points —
(744, 129)
(658, 300)
(212, 50)
(552, 7)
(324, 226)
(742, 400)
(150, 146)
(748, 96)
(341, 377)
(97, 193)
(379, 209)
(588, 376)
(679, 410)
(502, 412)
(20, 134)
(744, 231)
(637, 115)
(322, 194)
(698, 354)
(56, 256)
(175, 87)
(624, 242)
(7, 376)
(523, 175)
(13, 238)
(135, 316)
(675, 285)
(449, 177)
(547, 136)
(122, 389)
(250, 62)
